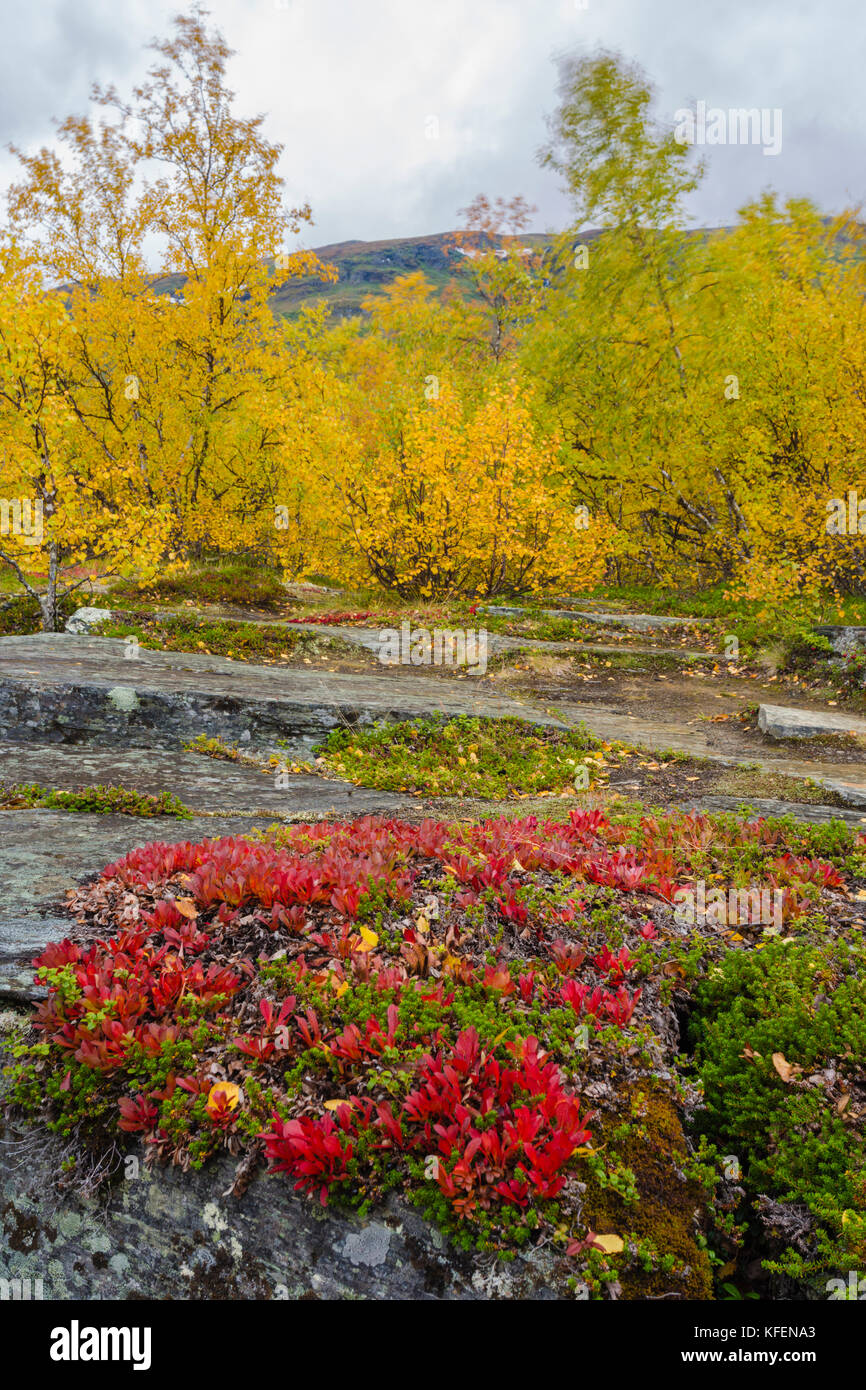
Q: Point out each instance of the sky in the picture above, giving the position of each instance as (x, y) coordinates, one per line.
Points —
(396, 113)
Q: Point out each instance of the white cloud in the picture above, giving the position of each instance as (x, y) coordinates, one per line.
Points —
(349, 88)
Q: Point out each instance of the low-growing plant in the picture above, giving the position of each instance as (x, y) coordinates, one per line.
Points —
(781, 1051)
(464, 756)
(98, 800)
(242, 585)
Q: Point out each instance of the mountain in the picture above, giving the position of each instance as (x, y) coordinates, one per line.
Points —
(368, 267)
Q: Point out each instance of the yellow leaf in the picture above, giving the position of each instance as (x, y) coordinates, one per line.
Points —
(186, 907)
(226, 1089)
(611, 1245)
(369, 941)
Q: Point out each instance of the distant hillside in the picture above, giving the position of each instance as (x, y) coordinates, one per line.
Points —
(368, 267)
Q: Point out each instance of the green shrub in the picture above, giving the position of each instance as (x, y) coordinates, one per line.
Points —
(240, 584)
(805, 654)
(796, 1139)
(97, 800)
(19, 617)
(462, 756)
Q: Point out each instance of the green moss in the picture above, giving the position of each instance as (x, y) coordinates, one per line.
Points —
(244, 585)
(637, 1190)
(260, 642)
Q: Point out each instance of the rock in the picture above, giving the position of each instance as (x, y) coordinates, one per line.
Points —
(781, 722)
(58, 688)
(773, 806)
(638, 622)
(161, 1233)
(843, 640)
(83, 620)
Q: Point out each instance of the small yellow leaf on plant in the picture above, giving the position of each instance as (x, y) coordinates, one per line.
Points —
(223, 1089)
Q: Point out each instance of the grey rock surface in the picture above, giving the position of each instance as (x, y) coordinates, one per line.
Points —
(84, 619)
(370, 638)
(202, 783)
(165, 1234)
(781, 721)
(637, 622)
(772, 806)
(843, 640)
(58, 688)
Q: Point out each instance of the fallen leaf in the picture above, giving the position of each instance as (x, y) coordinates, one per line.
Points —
(369, 941)
(611, 1245)
(787, 1070)
(186, 907)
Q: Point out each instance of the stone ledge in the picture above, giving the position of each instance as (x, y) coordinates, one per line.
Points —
(780, 721)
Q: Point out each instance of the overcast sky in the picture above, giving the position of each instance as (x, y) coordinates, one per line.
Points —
(353, 87)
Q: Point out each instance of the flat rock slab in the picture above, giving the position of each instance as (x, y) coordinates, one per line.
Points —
(772, 807)
(371, 639)
(163, 1233)
(848, 779)
(59, 688)
(203, 784)
(779, 721)
(638, 622)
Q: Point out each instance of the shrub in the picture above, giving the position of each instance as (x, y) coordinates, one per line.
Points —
(781, 1045)
(463, 756)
